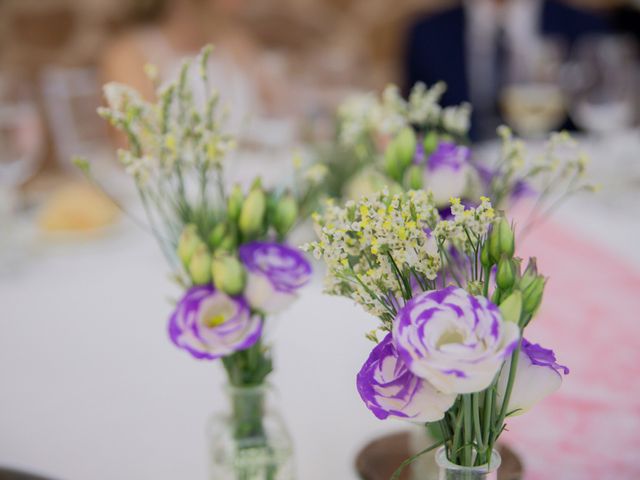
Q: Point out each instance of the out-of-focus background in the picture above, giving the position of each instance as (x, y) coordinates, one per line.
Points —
(60, 51)
(90, 387)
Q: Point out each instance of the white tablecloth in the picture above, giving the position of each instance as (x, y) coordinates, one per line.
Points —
(92, 389)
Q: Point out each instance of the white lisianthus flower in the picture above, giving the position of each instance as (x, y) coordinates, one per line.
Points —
(447, 172)
(210, 324)
(538, 375)
(389, 389)
(275, 272)
(455, 340)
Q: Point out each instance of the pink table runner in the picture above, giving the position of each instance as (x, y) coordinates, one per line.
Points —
(590, 429)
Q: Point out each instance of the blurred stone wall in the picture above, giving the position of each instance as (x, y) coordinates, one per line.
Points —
(357, 43)
(72, 32)
(64, 32)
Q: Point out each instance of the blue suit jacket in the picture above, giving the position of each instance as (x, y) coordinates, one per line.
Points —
(436, 48)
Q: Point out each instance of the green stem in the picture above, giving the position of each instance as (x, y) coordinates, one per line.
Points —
(487, 277)
(446, 432)
(453, 454)
(450, 263)
(467, 450)
(475, 406)
(405, 288)
(489, 399)
(507, 394)
(248, 411)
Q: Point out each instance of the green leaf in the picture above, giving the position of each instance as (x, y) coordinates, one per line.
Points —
(413, 458)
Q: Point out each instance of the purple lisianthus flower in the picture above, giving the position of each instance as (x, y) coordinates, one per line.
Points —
(447, 171)
(275, 273)
(455, 340)
(445, 210)
(522, 189)
(538, 375)
(210, 324)
(418, 157)
(388, 388)
(542, 357)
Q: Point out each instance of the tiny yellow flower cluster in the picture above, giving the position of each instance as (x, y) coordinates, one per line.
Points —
(366, 115)
(467, 226)
(366, 242)
(175, 133)
(556, 172)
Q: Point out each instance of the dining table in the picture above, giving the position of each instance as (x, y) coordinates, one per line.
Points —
(91, 387)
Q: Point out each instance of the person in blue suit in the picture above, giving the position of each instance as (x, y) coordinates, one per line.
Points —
(471, 47)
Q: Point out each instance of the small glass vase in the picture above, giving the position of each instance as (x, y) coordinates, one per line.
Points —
(451, 471)
(250, 441)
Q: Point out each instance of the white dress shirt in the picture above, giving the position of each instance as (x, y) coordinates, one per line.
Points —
(520, 22)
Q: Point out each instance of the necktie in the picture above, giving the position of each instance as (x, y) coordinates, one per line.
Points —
(492, 118)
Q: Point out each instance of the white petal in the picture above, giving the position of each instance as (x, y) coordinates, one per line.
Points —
(445, 183)
(262, 296)
(427, 405)
(532, 383)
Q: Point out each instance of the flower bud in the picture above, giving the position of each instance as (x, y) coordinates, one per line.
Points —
(187, 243)
(413, 177)
(228, 274)
(511, 307)
(506, 274)
(405, 147)
(501, 240)
(529, 275)
(392, 166)
(228, 243)
(532, 295)
(200, 265)
(256, 184)
(285, 214)
(217, 235)
(252, 212)
(496, 297)
(485, 258)
(430, 143)
(234, 203)
(272, 203)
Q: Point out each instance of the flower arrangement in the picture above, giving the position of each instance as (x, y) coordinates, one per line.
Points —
(228, 247)
(417, 143)
(453, 304)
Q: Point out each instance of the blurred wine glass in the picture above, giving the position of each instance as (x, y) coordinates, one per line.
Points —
(21, 138)
(21, 146)
(601, 79)
(71, 98)
(532, 100)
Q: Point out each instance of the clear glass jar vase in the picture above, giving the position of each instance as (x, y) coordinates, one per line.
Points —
(250, 440)
(451, 471)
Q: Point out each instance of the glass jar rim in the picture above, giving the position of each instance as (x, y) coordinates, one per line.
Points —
(492, 466)
(247, 389)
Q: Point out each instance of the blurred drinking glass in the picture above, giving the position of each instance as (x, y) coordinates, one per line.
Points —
(71, 98)
(21, 143)
(601, 80)
(20, 133)
(532, 100)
